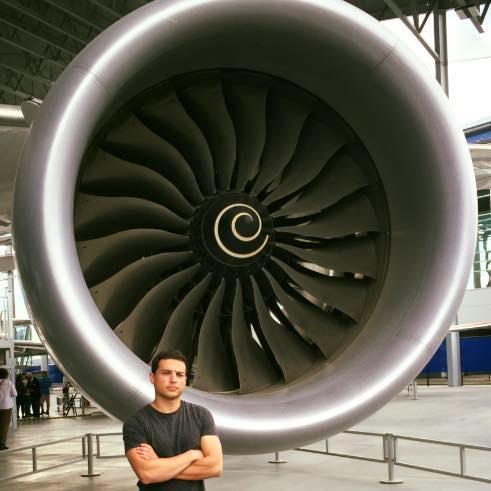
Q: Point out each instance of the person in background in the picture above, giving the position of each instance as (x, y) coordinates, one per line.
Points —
(34, 391)
(22, 399)
(7, 394)
(44, 386)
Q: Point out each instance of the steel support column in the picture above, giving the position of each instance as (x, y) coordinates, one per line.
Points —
(441, 47)
(11, 358)
(453, 359)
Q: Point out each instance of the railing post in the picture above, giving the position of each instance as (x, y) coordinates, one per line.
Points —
(462, 460)
(390, 456)
(34, 459)
(327, 445)
(98, 446)
(90, 458)
(277, 459)
(84, 449)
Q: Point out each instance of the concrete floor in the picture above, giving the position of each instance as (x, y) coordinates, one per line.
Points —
(457, 414)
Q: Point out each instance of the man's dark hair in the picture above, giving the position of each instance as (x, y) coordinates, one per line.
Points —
(4, 373)
(168, 355)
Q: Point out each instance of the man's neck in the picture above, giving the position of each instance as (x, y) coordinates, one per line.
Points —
(163, 405)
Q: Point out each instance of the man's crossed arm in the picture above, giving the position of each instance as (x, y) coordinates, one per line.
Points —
(191, 465)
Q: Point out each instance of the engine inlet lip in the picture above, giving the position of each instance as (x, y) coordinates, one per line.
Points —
(96, 83)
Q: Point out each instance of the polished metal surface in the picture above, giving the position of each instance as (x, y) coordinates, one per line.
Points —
(419, 154)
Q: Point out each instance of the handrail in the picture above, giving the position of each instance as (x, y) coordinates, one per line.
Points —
(389, 454)
(98, 446)
(38, 445)
(389, 450)
(444, 443)
(34, 457)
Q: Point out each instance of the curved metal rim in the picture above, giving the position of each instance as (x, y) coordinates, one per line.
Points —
(83, 98)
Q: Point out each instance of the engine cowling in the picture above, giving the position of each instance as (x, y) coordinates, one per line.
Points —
(274, 187)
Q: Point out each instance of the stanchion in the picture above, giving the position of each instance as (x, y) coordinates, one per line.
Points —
(90, 458)
(390, 456)
(34, 459)
(277, 459)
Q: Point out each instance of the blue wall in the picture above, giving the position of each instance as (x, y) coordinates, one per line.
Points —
(475, 356)
(54, 373)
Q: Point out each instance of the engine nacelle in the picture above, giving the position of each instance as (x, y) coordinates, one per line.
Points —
(274, 187)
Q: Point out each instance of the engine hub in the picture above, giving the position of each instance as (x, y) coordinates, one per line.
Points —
(232, 233)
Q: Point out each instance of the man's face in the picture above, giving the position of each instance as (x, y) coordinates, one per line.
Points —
(169, 379)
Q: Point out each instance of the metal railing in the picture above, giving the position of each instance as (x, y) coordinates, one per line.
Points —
(98, 437)
(389, 455)
(34, 456)
(462, 457)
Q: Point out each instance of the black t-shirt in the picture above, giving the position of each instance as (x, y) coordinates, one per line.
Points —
(169, 434)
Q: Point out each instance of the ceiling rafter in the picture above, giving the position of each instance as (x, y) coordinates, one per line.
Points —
(75, 16)
(61, 66)
(70, 53)
(31, 14)
(18, 93)
(106, 9)
(37, 78)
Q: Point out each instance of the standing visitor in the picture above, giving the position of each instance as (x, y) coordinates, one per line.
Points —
(7, 394)
(171, 444)
(45, 389)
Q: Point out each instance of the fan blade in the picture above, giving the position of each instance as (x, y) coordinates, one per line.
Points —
(131, 140)
(345, 294)
(285, 120)
(356, 255)
(214, 366)
(247, 106)
(179, 331)
(323, 329)
(339, 178)
(206, 105)
(167, 117)
(142, 329)
(351, 215)
(116, 296)
(101, 215)
(291, 352)
(254, 368)
(317, 144)
(108, 175)
(103, 257)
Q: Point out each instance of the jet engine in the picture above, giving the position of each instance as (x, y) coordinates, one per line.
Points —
(274, 187)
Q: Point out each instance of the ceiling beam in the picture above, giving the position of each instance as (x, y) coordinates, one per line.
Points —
(38, 37)
(42, 21)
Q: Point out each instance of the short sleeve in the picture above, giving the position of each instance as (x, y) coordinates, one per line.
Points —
(134, 433)
(207, 423)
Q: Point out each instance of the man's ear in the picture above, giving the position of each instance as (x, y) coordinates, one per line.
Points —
(151, 377)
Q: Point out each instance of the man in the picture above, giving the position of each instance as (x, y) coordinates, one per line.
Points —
(45, 386)
(34, 391)
(172, 444)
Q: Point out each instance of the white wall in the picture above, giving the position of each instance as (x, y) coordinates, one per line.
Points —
(476, 306)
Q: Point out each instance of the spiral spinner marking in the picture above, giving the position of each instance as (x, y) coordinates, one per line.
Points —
(236, 234)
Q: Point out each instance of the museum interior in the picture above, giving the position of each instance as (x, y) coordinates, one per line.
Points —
(294, 194)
